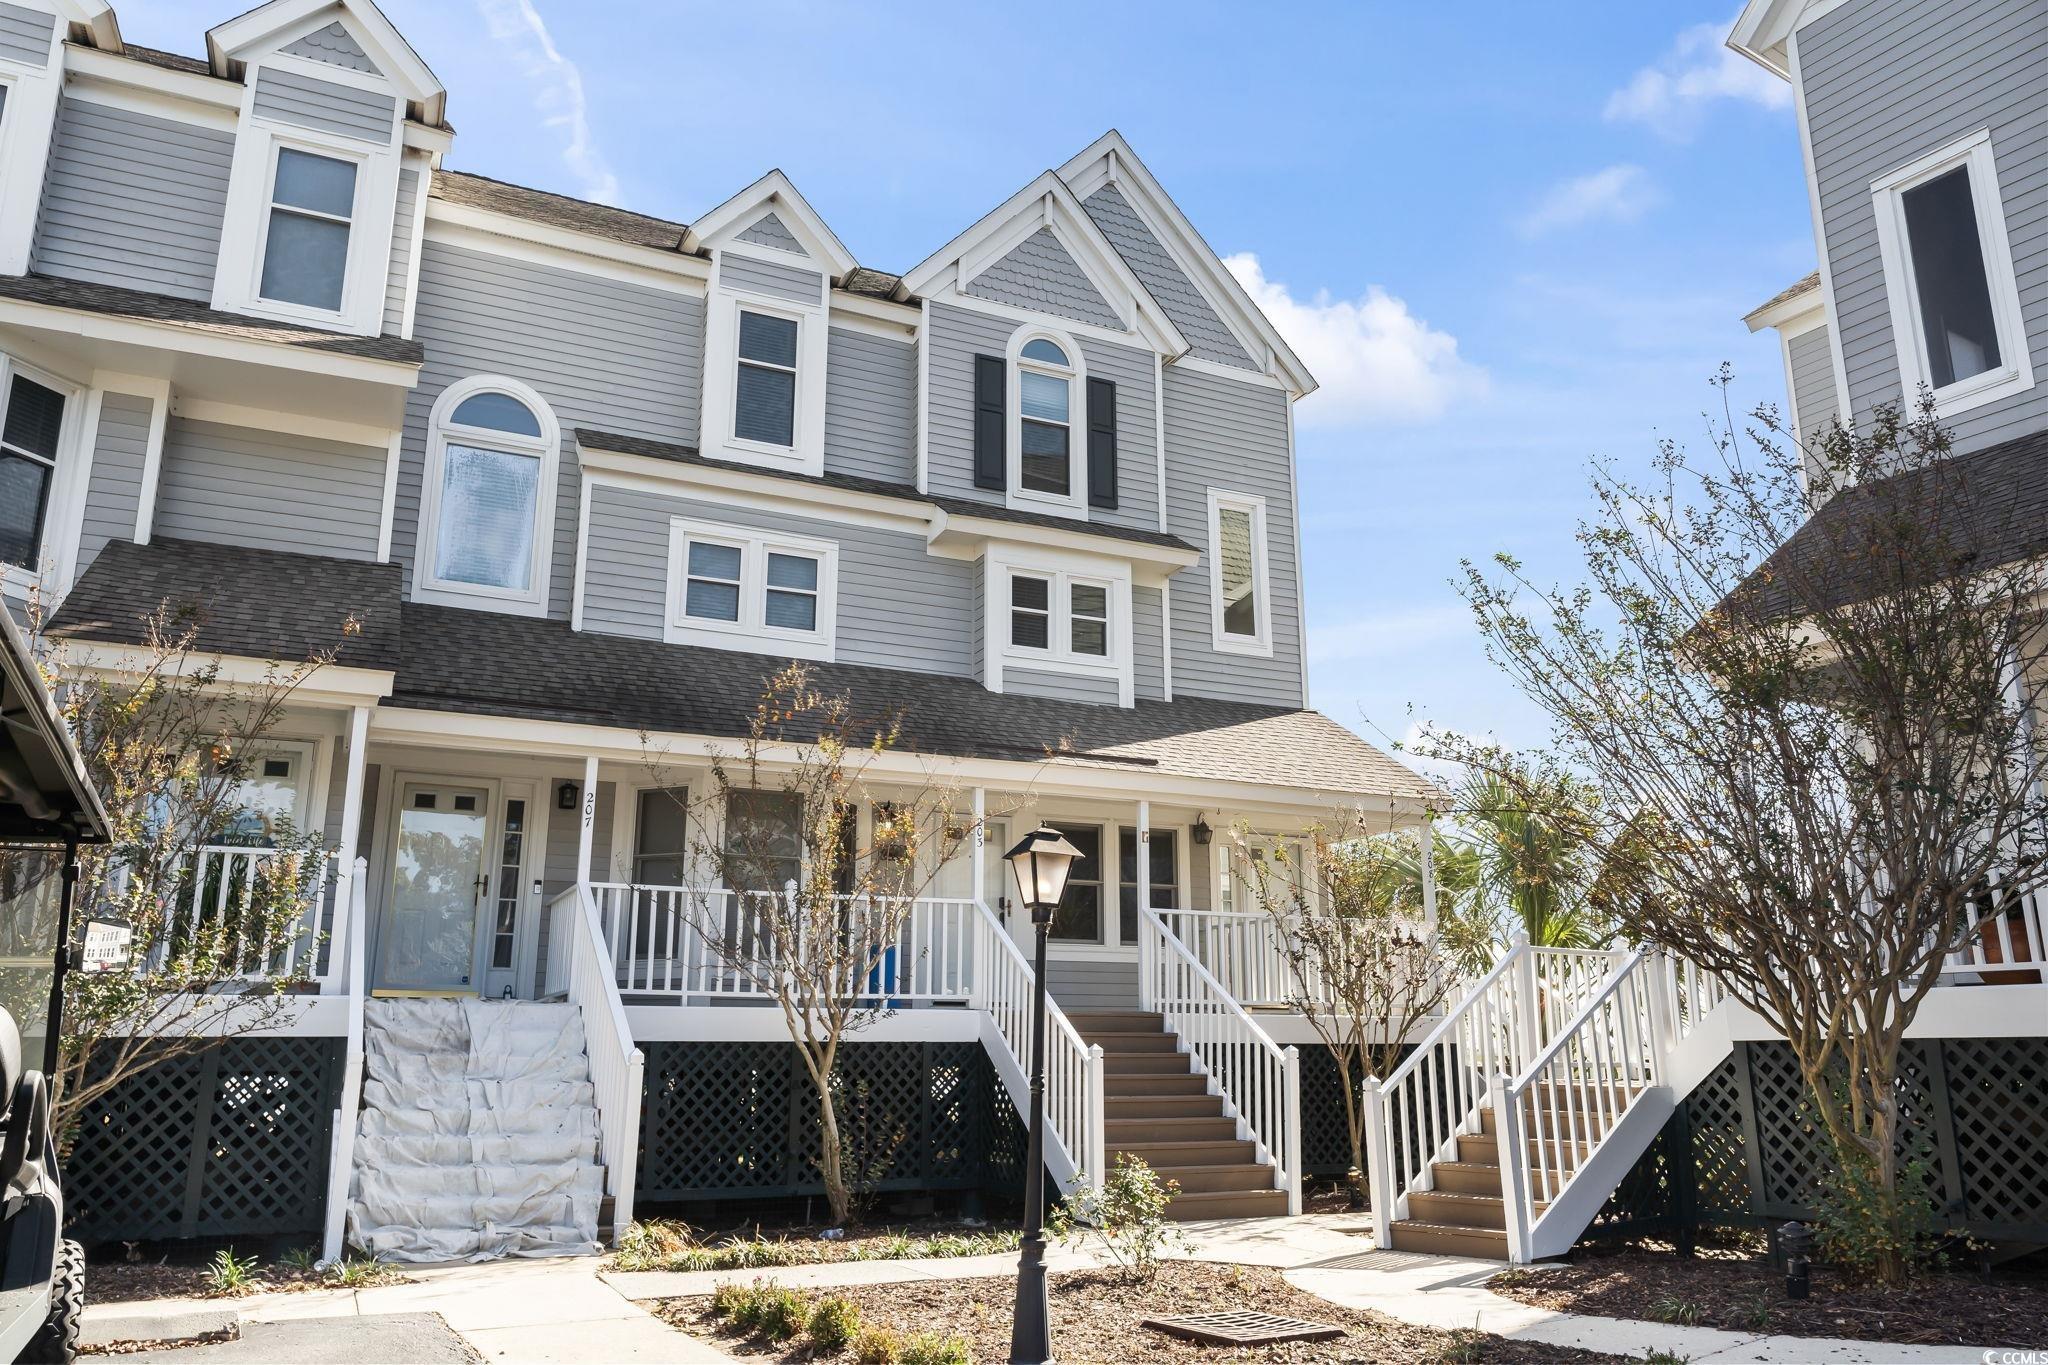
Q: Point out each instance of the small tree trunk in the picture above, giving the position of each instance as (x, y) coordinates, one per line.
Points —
(838, 1198)
(1354, 1125)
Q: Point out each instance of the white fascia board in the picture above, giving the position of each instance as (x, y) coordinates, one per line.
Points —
(881, 317)
(1109, 159)
(1764, 29)
(45, 317)
(275, 23)
(1796, 314)
(335, 684)
(774, 192)
(964, 536)
(512, 236)
(90, 65)
(677, 478)
(97, 17)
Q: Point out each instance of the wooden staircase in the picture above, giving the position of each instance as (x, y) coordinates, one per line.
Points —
(1157, 1108)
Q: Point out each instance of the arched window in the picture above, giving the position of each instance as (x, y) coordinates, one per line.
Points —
(1050, 390)
(488, 498)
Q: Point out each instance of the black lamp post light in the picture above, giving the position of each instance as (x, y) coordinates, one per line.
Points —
(1041, 861)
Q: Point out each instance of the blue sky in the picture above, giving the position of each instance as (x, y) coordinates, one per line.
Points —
(1505, 240)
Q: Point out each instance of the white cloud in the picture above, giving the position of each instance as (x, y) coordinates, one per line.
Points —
(1672, 94)
(1376, 361)
(557, 91)
(1614, 194)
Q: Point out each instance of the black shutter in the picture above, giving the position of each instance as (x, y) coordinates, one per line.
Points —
(1101, 443)
(991, 424)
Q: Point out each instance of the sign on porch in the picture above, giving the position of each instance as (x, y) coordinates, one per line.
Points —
(106, 946)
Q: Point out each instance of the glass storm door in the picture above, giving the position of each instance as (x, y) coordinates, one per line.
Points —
(438, 887)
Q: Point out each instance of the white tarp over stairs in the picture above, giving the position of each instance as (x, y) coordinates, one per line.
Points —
(479, 1132)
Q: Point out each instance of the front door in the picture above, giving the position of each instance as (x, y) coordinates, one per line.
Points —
(438, 888)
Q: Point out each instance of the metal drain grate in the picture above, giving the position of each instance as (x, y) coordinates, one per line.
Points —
(1244, 1328)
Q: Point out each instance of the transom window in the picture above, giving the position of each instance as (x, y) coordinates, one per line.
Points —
(305, 246)
(730, 582)
(1238, 577)
(1064, 616)
(764, 403)
(31, 426)
(491, 464)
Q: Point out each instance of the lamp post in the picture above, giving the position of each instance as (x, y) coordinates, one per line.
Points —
(1041, 861)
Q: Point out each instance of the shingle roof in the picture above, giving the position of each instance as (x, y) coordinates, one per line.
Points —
(478, 663)
(1791, 291)
(879, 284)
(169, 61)
(558, 210)
(113, 301)
(962, 507)
(260, 604)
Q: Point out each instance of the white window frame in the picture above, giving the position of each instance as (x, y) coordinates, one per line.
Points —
(2016, 372)
(752, 628)
(742, 306)
(1261, 644)
(279, 146)
(57, 553)
(25, 133)
(533, 601)
(1075, 503)
(1060, 651)
(719, 411)
(1001, 559)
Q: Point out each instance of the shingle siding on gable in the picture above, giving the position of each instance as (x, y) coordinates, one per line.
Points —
(268, 490)
(772, 231)
(767, 277)
(1226, 434)
(336, 46)
(1813, 382)
(605, 354)
(1885, 85)
(870, 406)
(401, 252)
(1163, 278)
(114, 491)
(310, 102)
(25, 34)
(133, 200)
(1038, 274)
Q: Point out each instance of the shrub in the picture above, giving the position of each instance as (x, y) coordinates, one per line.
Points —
(357, 1272)
(1671, 1308)
(834, 1323)
(1873, 1234)
(653, 1245)
(230, 1276)
(727, 1299)
(929, 1348)
(781, 1313)
(877, 1346)
(1128, 1215)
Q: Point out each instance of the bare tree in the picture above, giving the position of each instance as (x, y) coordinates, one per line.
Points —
(1807, 682)
(1364, 967)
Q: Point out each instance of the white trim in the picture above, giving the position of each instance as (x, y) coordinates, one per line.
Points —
(718, 408)
(898, 321)
(1010, 312)
(423, 169)
(1260, 646)
(1766, 31)
(763, 492)
(1159, 432)
(679, 628)
(336, 684)
(70, 475)
(1300, 595)
(26, 126)
(773, 192)
(533, 600)
(106, 90)
(1166, 638)
(284, 21)
(152, 460)
(1062, 572)
(1074, 502)
(522, 239)
(924, 395)
(387, 512)
(290, 423)
(583, 487)
(2015, 374)
(201, 341)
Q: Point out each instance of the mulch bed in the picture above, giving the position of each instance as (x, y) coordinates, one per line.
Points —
(129, 1281)
(136, 1348)
(1739, 1291)
(1096, 1318)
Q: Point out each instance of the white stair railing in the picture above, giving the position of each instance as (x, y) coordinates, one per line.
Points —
(1260, 1081)
(351, 928)
(1004, 991)
(577, 950)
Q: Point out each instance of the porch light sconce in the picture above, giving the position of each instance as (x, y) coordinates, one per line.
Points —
(565, 796)
(1200, 832)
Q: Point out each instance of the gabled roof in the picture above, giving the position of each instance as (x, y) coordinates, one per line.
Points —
(1761, 30)
(1048, 204)
(1795, 300)
(93, 18)
(1109, 160)
(773, 193)
(280, 22)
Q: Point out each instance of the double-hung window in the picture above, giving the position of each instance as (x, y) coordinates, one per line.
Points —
(1949, 275)
(31, 430)
(1059, 615)
(1045, 417)
(1241, 608)
(306, 240)
(492, 451)
(764, 398)
(737, 589)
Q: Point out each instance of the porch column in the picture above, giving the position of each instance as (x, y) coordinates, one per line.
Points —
(980, 850)
(348, 842)
(1429, 869)
(1138, 923)
(583, 835)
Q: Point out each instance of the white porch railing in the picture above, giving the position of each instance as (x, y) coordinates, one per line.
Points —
(1260, 1081)
(2007, 948)
(1242, 950)
(351, 929)
(212, 887)
(580, 968)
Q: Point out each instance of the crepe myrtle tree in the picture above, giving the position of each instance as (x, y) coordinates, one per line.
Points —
(1364, 966)
(791, 902)
(1817, 753)
(167, 740)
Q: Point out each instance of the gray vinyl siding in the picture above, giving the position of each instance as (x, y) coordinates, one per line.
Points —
(870, 406)
(133, 200)
(335, 46)
(114, 491)
(770, 230)
(977, 630)
(957, 335)
(770, 278)
(565, 833)
(310, 102)
(1811, 379)
(603, 353)
(1231, 435)
(269, 490)
(1038, 274)
(1149, 260)
(1039, 682)
(25, 35)
(401, 252)
(899, 607)
(1148, 643)
(1201, 876)
(1886, 85)
(1093, 983)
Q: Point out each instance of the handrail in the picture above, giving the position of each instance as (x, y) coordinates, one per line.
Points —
(342, 1143)
(1452, 1018)
(617, 1067)
(1259, 1080)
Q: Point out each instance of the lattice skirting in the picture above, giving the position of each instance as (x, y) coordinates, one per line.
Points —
(727, 1120)
(228, 1142)
(1745, 1146)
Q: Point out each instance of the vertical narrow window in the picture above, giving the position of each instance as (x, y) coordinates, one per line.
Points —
(1956, 316)
(305, 248)
(1242, 610)
(713, 589)
(505, 916)
(1165, 878)
(1079, 916)
(1234, 562)
(661, 840)
(763, 839)
(1045, 426)
(1088, 619)
(764, 407)
(31, 423)
(1030, 611)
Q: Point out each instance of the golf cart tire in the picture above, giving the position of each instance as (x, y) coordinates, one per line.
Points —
(57, 1342)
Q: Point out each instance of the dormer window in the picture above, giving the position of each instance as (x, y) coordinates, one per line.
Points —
(764, 400)
(1045, 380)
(488, 497)
(305, 249)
